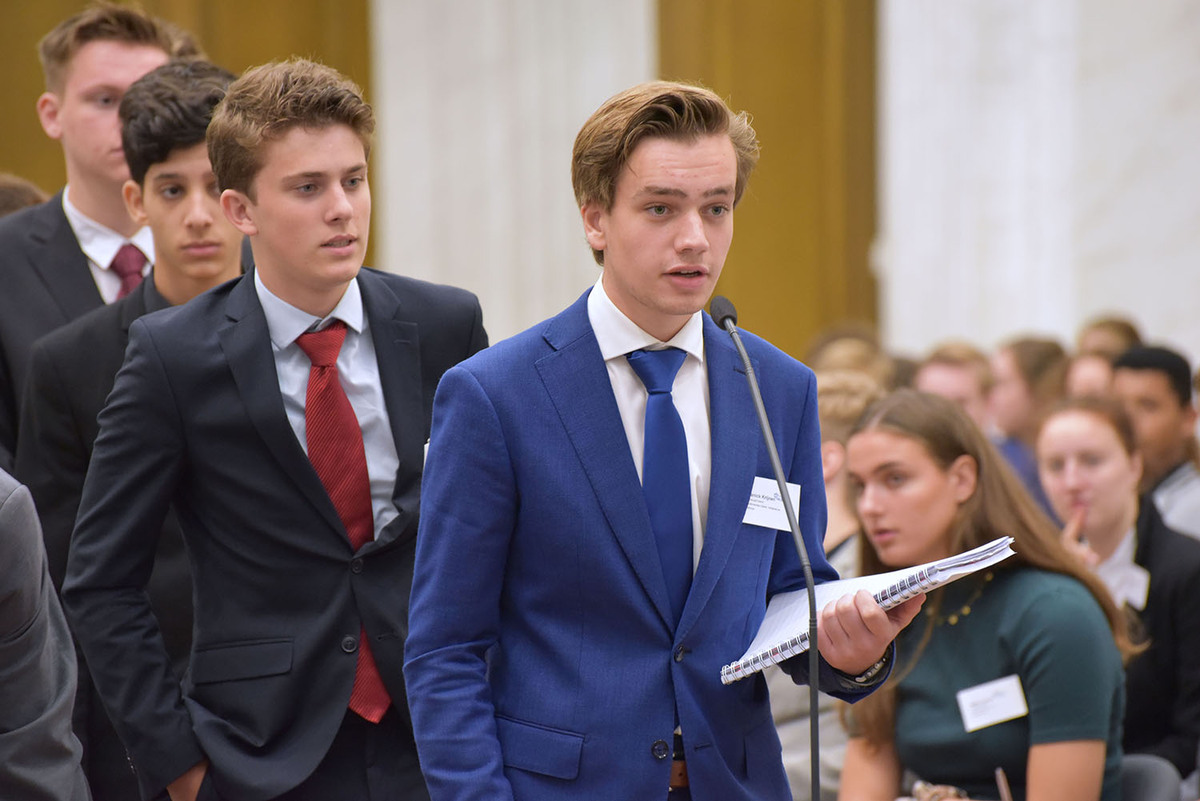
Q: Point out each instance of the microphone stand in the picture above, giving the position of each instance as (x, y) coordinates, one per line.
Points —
(726, 317)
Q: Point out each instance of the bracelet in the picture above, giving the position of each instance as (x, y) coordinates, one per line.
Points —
(871, 672)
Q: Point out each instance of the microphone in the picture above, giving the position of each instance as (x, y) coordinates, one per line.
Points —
(725, 316)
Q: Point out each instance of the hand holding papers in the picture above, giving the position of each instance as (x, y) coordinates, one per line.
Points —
(784, 630)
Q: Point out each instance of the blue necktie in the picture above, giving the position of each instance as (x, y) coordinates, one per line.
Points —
(665, 474)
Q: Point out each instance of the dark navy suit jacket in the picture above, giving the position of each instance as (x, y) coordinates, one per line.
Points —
(45, 282)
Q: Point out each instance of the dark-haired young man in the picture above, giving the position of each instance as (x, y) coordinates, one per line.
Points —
(1155, 386)
(283, 416)
(172, 191)
(583, 569)
(80, 249)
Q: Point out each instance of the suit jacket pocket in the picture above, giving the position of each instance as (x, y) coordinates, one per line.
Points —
(250, 659)
(528, 746)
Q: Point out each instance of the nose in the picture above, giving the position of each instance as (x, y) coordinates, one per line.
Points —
(200, 210)
(340, 207)
(691, 235)
(868, 502)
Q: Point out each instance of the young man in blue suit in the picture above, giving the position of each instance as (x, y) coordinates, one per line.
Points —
(583, 571)
(283, 416)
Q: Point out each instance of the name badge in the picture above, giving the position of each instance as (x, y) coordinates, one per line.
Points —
(766, 504)
(992, 702)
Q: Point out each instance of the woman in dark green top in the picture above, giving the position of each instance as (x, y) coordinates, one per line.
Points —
(1017, 668)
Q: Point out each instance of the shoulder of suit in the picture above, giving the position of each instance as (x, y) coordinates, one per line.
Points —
(407, 288)
(15, 227)
(96, 324)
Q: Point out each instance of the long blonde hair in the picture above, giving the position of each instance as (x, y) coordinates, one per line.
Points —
(999, 506)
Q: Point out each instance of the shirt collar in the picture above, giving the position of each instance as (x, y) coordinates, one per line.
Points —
(99, 242)
(285, 322)
(1120, 557)
(617, 335)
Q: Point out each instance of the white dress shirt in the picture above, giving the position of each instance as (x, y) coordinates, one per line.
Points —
(1178, 499)
(1126, 580)
(100, 244)
(617, 335)
(358, 373)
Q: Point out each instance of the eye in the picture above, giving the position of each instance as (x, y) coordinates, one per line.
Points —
(307, 189)
(894, 480)
(355, 182)
(719, 210)
(171, 192)
(657, 210)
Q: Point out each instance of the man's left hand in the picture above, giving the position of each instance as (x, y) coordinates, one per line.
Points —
(854, 632)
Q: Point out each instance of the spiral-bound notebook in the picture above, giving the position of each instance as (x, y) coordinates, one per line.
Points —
(784, 630)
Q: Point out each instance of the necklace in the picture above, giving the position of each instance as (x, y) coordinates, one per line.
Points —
(954, 617)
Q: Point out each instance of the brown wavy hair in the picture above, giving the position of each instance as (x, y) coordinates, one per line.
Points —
(999, 506)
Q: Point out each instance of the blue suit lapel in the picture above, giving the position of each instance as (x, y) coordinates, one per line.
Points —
(577, 381)
(246, 343)
(735, 446)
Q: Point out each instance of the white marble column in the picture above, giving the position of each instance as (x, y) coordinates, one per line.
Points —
(479, 102)
(1038, 166)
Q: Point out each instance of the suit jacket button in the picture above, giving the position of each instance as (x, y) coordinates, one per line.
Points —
(356, 566)
(349, 644)
(679, 652)
(660, 749)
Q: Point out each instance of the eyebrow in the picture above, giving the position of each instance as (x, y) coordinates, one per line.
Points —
(322, 174)
(669, 191)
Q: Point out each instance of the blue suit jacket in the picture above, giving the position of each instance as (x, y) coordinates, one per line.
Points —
(541, 660)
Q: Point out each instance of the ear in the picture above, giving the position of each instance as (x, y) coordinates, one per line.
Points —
(964, 475)
(833, 457)
(135, 202)
(47, 110)
(595, 220)
(239, 210)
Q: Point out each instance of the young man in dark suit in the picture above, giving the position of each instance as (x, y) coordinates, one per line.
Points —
(284, 415)
(59, 260)
(584, 569)
(172, 191)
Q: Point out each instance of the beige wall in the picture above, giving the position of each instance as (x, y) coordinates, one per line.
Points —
(805, 70)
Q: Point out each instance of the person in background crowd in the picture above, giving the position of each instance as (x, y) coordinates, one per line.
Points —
(1090, 467)
(1029, 374)
(16, 193)
(80, 249)
(1155, 386)
(854, 348)
(172, 190)
(39, 755)
(959, 372)
(1109, 334)
(841, 398)
(1031, 647)
(1089, 374)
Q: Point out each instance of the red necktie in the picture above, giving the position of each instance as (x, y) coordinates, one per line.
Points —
(128, 264)
(335, 448)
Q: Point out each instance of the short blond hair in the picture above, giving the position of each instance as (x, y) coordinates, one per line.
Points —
(842, 397)
(657, 109)
(109, 22)
(272, 99)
